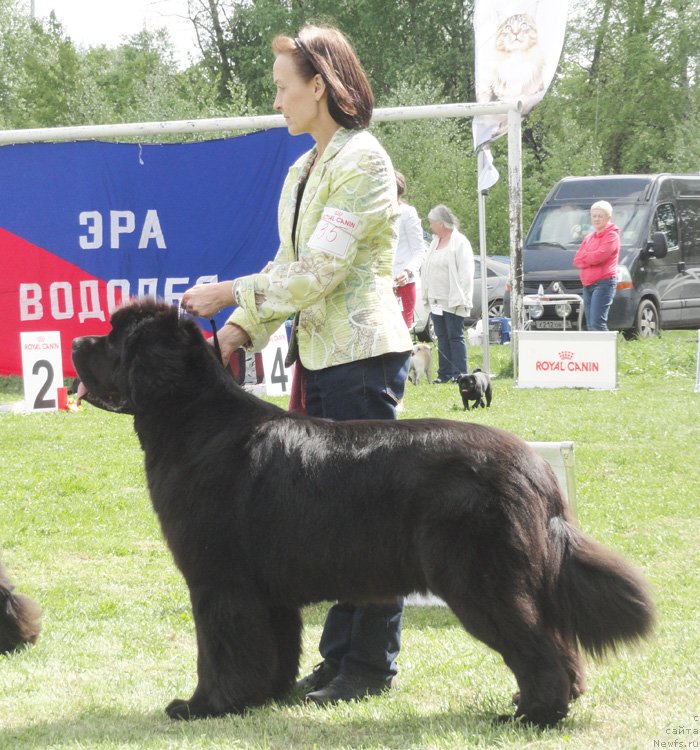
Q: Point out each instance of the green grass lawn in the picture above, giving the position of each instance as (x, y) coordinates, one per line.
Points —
(78, 535)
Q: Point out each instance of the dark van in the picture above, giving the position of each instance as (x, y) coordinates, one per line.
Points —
(658, 278)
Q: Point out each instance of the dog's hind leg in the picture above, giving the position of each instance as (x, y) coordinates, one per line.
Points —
(286, 624)
(539, 666)
(568, 647)
(540, 669)
(502, 613)
(573, 663)
(237, 654)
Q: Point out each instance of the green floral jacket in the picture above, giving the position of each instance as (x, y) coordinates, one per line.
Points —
(340, 276)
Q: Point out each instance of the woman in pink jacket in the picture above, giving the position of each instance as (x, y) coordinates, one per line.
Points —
(596, 260)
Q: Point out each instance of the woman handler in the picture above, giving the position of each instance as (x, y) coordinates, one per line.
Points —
(338, 225)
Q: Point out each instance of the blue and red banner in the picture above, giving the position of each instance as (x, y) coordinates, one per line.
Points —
(85, 225)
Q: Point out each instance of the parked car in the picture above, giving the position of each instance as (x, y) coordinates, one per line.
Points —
(658, 275)
(497, 274)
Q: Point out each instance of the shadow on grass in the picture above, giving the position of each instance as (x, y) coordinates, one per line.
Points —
(277, 726)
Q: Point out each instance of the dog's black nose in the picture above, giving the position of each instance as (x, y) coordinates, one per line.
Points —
(82, 341)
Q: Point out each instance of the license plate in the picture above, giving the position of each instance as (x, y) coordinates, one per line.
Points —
(556, 325)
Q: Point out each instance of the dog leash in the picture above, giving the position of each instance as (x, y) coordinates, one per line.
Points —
(181, 312)
(217, 347)
(450, 361)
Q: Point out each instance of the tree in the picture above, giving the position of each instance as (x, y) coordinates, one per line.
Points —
(396, 40)
(38, 68)
(46, 82)
(629, 80)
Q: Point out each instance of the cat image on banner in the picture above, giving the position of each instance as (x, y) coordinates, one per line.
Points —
(515, 66)
(517, 48)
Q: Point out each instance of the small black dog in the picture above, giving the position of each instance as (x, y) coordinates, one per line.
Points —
(19, 617)
(474, 388)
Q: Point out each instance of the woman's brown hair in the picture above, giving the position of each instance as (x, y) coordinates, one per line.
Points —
(324, 51)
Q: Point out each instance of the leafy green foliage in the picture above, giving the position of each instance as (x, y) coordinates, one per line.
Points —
(46, 81)
(423, 39)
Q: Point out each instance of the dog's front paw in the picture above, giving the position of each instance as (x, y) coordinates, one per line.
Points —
(198, 707)
(179, 709)
(191, 709)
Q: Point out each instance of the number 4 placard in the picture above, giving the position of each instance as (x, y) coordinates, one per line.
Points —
(278, 378)
(42, 369)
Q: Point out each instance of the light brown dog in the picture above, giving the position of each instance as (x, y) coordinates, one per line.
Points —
(421, 364)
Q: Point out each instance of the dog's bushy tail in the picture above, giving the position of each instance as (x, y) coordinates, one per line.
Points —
(598, 595)
(20, 617)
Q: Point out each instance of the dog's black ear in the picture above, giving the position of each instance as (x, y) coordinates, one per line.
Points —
(156, 357)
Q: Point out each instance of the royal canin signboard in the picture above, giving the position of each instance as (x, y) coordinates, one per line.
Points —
(567, 359)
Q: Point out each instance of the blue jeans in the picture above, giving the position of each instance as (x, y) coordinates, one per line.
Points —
(452, 346)
(597, 299)
(364, 389)
(360, 640)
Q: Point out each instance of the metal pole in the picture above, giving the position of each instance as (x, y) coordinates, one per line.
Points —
(222, 124)
(515, 219)
(486, 365)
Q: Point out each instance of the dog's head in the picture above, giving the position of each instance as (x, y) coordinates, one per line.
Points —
(149, 357)
(417, 348)
(467, 384)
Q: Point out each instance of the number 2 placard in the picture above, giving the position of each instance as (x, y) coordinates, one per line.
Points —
(42, 369)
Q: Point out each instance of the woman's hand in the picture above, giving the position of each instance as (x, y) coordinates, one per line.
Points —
(206, 300)
(231, 337)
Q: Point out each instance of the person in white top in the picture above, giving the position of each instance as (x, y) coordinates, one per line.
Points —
(409, 253)
(447, 277)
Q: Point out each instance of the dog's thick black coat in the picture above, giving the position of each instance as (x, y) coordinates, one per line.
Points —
(266, 511)
(19, 616)
(475, 387)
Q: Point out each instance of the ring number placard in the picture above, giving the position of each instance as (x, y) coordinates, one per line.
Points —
(278, 378)
(42, 369)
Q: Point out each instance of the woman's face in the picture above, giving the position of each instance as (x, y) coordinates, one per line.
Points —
(296, 99)
(438, 228)
(599, 219)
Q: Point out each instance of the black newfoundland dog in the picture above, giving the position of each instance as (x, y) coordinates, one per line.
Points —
(19, 617)
(266, 511)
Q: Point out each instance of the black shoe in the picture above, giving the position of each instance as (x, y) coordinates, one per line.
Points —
(320, 676)
(349, 687)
